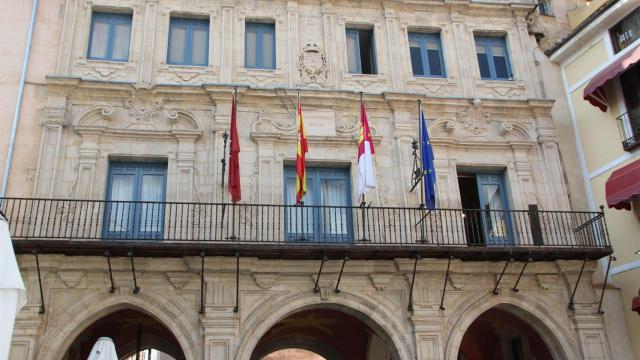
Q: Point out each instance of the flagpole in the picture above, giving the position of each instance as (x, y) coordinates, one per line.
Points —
(422, 172)
(362, 198)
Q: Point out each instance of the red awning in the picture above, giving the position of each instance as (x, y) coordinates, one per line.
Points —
(623, 184)
(594, 92)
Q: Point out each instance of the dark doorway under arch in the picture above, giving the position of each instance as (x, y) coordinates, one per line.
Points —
(130, 330)
(500, 335)
(330, 333)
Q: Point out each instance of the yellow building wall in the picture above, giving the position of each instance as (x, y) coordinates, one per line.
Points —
(586, 63)
(624, 231)
(584, 8)
(601, 144)
(599, 132)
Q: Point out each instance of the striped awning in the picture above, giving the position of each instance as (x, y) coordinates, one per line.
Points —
(594, 92)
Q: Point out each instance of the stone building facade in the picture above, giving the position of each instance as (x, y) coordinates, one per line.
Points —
(82, 115)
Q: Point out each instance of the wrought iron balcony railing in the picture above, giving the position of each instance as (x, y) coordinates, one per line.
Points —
(162, 223)
(629, 127)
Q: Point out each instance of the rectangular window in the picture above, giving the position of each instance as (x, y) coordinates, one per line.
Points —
(544, 7)
(188, 42)
(484, 199)
(626, 31)
(426, 54)
(260, 45)
(109, 37)
(493, 58)
(361, 51)
(135, 192)
(326, 216)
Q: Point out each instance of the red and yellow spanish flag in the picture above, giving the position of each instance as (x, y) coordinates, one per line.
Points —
(301, 176)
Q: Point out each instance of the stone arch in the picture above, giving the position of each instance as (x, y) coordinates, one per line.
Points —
(87, 308)
(271, 311)
(554, 333)
(183, 119)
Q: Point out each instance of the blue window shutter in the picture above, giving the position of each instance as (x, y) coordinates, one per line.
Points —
(109, 37)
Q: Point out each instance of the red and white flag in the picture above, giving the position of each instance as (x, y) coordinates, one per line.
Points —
(366, 171)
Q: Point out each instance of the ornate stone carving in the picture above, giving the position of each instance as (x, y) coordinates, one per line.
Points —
(142, 111)
(380, 281)
(265, 281)
(312, 65)
(474, 120)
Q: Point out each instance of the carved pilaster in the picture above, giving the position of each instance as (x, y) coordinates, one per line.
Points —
(554, 178)
(330, 43)
(394, 43)
(145, 77)
(185, 163)
(460, 33)
(53, 122)
(226, 45)
(293, 47)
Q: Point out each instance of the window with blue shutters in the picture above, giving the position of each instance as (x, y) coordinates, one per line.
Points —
(135, 196)
(493, 58)
(260, 45)
(426, 54)
(326, 214)
(188, 42)
(109, 37)
(361, 51)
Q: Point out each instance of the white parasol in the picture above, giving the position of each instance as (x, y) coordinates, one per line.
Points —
(12, 292)
(103, 349)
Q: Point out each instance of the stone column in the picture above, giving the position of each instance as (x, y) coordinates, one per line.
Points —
(145, 76)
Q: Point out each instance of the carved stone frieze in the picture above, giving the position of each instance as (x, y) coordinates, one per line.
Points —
(312, 66)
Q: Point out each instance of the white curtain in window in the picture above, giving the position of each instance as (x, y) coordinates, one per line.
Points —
(150, 214)
(99, 40)
(251, 48)
(121, 42)
(494, 200)
(199, 46)
(268, 47)
(334, 220)
(352, 54)
(176, 45)
(121, 190)
(297, 217)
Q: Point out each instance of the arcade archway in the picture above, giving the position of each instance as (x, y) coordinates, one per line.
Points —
(131, 331)
(500, 335)
(328, 333)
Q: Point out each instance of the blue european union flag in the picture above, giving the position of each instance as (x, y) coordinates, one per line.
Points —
(428, 168)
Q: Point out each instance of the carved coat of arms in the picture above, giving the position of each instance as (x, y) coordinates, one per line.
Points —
(312, 65)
